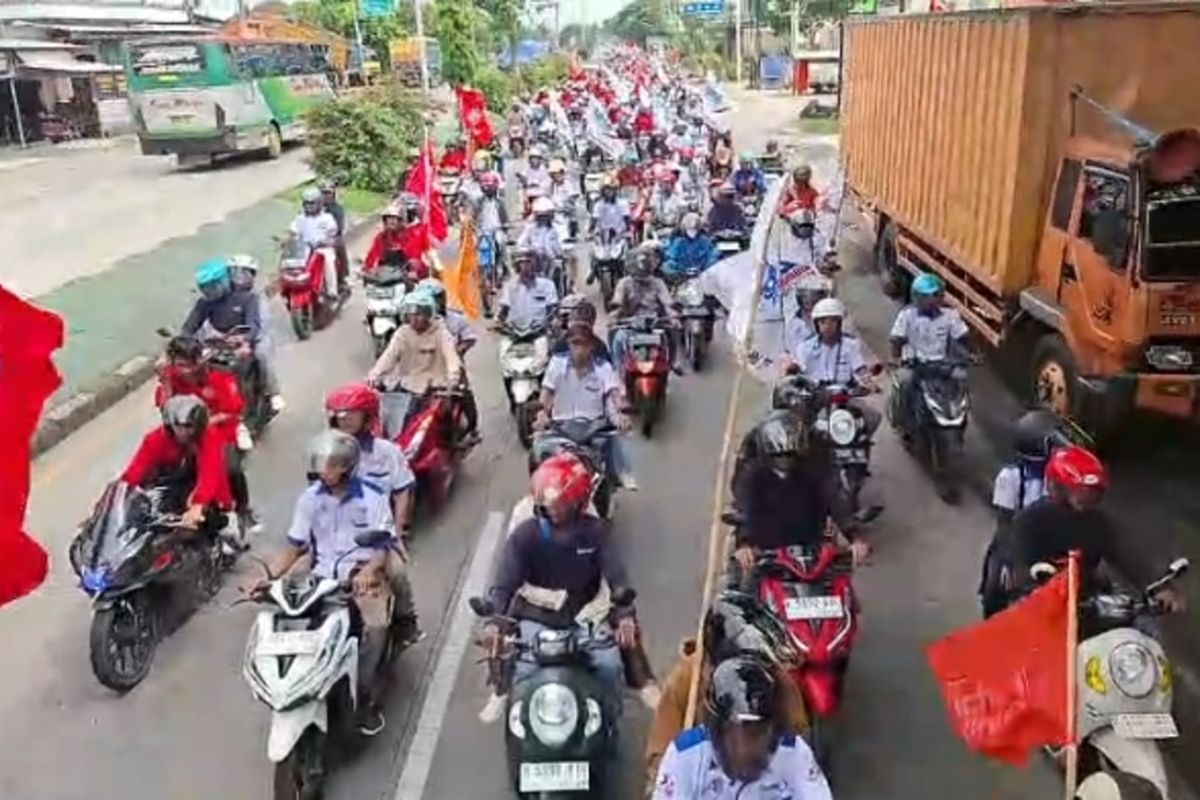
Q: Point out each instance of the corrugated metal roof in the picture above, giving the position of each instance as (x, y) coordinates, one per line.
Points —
(174, 12)
(34, 44)
(59, 62)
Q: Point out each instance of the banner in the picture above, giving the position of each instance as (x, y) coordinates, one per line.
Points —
(421, 183)
(472, 111)
(462, 279)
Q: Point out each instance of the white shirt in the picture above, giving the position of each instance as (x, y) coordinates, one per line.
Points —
(611, 216)
(538, 178)
(1006, 491)
(928, 338)
(579, 395)
(459, 327)
(315, 230)
(837, 363)
(541, 240)
(528, 304)
(690, 771)
(383, 464)
(327, 526)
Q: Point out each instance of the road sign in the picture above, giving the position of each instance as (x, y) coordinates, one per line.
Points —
(705, 8)
(378, 8)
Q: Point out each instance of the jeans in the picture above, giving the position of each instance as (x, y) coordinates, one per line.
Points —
(606, 661)
(619, 460)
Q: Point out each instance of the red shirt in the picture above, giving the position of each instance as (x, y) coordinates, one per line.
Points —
(159, 451)
(630, 176)
(454, 160)
(643, 122)
(800, 197)
(408, 241)
(219, 391)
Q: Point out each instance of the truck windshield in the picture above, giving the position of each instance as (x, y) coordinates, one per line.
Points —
(1173, 239)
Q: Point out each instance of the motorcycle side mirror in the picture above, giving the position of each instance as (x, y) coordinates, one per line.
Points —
(1178, 567)
(624, 597)
(481, 607)
(733, 518)
(877, 368)
(164, 333)
(1042, 571)
(375, 538)
(792, 369)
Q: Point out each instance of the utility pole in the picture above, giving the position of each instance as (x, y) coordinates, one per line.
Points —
(795, 28)
(422, 54)
(737, 40)
(358, 43)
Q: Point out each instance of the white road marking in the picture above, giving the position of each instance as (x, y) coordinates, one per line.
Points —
(415, 774)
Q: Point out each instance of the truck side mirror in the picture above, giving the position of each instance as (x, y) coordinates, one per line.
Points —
(1110, 234)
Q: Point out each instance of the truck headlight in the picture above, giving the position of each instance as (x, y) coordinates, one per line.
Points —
(553, 714)
(1169, 358)
(1133, 669)
(842, 427)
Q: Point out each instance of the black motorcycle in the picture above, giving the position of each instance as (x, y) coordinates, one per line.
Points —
(730, 242)
(137, 564)
(233, 353)
(560, 721)
(697, 314)
(933, 422)
(587, 439)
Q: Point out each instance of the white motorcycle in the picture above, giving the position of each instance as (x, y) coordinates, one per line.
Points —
(524, 356)
(1125, 692)
(385, 290)
(302, 661)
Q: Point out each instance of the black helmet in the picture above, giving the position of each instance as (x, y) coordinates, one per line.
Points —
(184, 348)
(781, 434)
(794, 394)
(742, 689)
(738, 624)
(186, 411)
(1036, 433)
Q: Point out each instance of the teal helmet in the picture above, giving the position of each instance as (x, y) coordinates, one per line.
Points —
(435, 289)
(630, 158)
(418, 301)
(927, 285)
(212, 278)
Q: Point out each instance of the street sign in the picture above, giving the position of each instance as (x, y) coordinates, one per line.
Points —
(378, 8)
(705, 8)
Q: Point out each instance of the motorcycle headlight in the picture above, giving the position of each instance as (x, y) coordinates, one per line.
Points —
(1133, 669)
(690, 294)
(553, 714)
(842, 427)
(515, 725)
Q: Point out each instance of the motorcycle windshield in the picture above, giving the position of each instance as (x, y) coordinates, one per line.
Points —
(393, 411)
(294, 250)
(386, 275)
(118, 526)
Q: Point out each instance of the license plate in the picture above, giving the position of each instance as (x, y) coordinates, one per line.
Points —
(728, 247)
(555, 776)
(381, 326)
(290, 643)
(826, 607)
(849, 454)
(1145, 726)
(645, 340)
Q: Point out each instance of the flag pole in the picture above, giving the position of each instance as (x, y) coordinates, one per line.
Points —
(1071, 771)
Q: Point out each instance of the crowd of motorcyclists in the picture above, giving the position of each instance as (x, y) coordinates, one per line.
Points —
(629, 152)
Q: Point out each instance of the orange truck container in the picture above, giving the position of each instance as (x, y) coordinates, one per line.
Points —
(1044, 162)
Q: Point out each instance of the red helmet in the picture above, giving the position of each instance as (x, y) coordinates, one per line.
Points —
(664, 174)
(562, 482)
(353, 397)
(489, 180)
(1076, 467)
(687, 153)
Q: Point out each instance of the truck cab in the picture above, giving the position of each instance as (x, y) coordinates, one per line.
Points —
(1118, 281)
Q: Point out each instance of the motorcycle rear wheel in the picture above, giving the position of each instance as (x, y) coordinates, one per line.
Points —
(302, 322)
(648, 408)
(122, 641)
(525, 414)
(301, 776)
(606, 286)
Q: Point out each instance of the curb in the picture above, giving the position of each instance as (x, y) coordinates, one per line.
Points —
(78, 410)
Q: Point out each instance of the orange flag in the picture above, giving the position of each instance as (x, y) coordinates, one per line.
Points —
(462, 279)
(1004, 680)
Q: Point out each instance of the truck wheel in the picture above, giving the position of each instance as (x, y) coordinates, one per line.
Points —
(887, 264)
(1054, 376)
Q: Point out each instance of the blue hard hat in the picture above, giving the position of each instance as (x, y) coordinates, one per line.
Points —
(927, 285)
(214, 270)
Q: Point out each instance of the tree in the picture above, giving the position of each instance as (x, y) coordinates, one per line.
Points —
(456, 33)
(639, 20)
(506, 16)
(337, 16)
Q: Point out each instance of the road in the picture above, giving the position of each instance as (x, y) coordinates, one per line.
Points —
(191, 731)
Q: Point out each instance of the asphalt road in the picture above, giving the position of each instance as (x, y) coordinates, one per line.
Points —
(191, 731)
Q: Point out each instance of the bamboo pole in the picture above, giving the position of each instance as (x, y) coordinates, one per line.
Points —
(1071, 773)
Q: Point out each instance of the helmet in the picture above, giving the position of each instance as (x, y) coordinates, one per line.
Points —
(1075, 467)
(243, 261)
(311, 195)
(781, 434)
(828, 308)
(543, 206)
(1036, 433)
(665, 175)
(746, 157)
(726, 187)
(213, 271)
(331, 448)
(556, 166)
(521, 255)
(630, 158)
(690, 222)
(578, 308)
(419, 302)
(435, 288)
(185, 348)
(927, 285)
(326, 185)
(489, 180)
(393, 209)
(801, 216)
(562, 482)
(687, 153)
(185, 411)
(352, 397)
(742, 689)
(537, 151)
(802, 172)
(737, 623)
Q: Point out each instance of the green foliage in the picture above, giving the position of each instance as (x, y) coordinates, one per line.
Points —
(639, 20)
(506, 20)
(497, 86)
(337, 16)
(456, 33)
(365, 140)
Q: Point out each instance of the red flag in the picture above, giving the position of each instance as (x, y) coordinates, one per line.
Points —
(472, 110)
(420, 183)
(28, 335)
(1004, 680)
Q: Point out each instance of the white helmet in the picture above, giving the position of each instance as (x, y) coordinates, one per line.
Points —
(543, 205)
(828, 308)
(243, 261)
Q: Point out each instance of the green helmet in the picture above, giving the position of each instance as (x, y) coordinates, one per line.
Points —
(420, 301)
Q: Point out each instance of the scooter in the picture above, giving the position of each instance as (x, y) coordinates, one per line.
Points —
(561, 721)
(935, 430)
(143, 572)
(843, 426)
(449, 185)
(592, 182)
(730, 242)
(524, 355)
(385, 290)
(1125, 692)
(302, 286)
(608, 261)
(302, 661)
(588, 440)
(697, 316)
(645, 366)
(429, 438)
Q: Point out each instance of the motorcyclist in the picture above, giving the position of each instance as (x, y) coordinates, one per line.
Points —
(328, 515)
(667, 201)
(243, 271)
(421, 354)
(454, 159)
(799, 243)
(811, 288)
(689, 172)
(800, 194)
(772, 157)
(679, 138)
(566, 550)
(927, 331)
(329, 198)
(575, 308)
(748, 179)
(630, 174)
(537, 176)
(187, 456)
(690, 250)
(787, 490)
(832, 355)
(643, 293)
(527, 299)
(540, 236)
(744, 751)
(401, 241)
(564, 194)
(727, 213)
(643, 120)
(464, 339)
(736, 624)
(222, 307)
(317, 230)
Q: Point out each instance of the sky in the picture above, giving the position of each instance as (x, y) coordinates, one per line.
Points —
(582, 12)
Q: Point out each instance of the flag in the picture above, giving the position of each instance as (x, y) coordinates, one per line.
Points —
(1004, 680)
(472, 111)
(462, 279)
(28, 336)
(420, 183)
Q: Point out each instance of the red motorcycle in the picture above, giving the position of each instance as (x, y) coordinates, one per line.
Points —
(645, 364)
(302, 287)
(428, 429)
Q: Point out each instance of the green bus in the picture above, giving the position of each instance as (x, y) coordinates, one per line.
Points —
(200, 98)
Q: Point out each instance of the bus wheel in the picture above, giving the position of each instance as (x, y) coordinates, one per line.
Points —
(274, 142)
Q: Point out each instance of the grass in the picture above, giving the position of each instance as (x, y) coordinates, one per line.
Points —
(355, 201)
(819, 127)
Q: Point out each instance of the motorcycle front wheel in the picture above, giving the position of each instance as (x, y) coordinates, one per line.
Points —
(945, 459)
(302, 322)
(122, 641)
(301, 776)
(606, 286)
(525, 416)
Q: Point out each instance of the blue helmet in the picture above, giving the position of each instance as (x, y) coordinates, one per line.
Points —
(215, 270)
(927, 285)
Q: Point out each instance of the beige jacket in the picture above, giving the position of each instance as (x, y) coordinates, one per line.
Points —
(416, 361)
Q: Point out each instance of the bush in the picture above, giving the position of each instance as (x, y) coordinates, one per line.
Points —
(497, 86)
(365, 140)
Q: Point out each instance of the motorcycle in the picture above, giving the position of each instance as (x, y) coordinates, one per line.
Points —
(1125, 692)
(697, 316)
(608, 261)
(935, 430)
(524, 355)
(730, 242)
(491, 267)
(429, 437)
(143, 573)
(561, 721)
(385, 290)
(592, 181)
(233, 354)
(449, 185)
(302, 662)
(302, 286)
(516, 140)
(589, 440)
(646, 365)
(843, 426)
